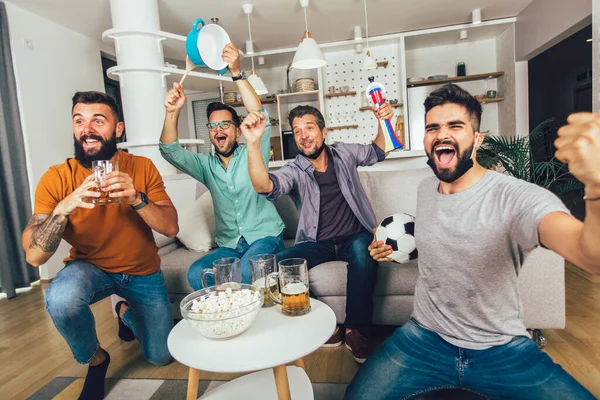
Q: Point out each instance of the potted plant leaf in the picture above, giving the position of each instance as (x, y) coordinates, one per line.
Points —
(515, 155)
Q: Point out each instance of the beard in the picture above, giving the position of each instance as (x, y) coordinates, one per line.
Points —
(315, 154)
(228, 150)
(106, 152)
(464, 162)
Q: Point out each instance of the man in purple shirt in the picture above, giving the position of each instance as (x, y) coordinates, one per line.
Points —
(336, 218)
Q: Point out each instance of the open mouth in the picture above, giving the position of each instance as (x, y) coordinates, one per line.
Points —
(445, 154)
(307, 145)
(90, 143)
(221, 140)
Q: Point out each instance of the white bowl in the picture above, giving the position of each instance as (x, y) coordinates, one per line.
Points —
(225, 324)
(212, 39)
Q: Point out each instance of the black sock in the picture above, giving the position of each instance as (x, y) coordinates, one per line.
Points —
(93, 388)
(125, 333)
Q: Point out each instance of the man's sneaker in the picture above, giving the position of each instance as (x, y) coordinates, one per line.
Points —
(358, 345)
(335, 340)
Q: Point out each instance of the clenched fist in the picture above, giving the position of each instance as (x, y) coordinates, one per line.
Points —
(578, 145)
(174, 99)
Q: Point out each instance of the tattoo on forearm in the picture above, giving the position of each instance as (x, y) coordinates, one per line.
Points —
(48, 235)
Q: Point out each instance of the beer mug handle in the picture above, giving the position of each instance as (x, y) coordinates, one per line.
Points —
(274, 276)
(203, 276)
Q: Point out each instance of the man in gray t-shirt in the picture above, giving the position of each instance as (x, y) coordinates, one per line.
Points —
(474, 230)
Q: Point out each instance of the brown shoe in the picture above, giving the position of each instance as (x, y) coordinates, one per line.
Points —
(335, 340)
(358, 345)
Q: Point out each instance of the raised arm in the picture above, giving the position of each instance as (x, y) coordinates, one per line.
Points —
(578, 145)
(174, 102)
(382, 113)
(44, 232)
(231, 56)
(253, 129)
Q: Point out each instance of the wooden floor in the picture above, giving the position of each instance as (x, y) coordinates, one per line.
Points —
(32, 352)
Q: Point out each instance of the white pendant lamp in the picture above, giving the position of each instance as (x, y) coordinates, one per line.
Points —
(476, 16)
(369, 62)
(254, 80)
(308, 55)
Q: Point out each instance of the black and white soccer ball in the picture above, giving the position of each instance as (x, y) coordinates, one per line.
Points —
(398, 231)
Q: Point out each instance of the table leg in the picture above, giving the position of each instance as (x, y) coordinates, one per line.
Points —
(299, 363)
(192, 389)
(282, 383)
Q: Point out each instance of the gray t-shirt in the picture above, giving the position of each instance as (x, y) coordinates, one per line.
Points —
(472, 245)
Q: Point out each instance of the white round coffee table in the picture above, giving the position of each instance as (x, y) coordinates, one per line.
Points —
(272, 341)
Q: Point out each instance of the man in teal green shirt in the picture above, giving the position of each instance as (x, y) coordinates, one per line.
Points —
(247, 223)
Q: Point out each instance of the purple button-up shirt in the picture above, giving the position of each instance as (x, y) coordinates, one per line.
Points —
(297, 180)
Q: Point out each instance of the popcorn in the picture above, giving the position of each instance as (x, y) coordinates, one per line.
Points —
(224, 314)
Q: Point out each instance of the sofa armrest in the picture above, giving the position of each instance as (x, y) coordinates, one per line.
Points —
(542, 288)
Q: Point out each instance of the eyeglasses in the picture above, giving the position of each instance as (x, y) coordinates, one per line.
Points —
(223, 124)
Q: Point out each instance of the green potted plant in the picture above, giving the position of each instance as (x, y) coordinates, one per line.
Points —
(514, 155)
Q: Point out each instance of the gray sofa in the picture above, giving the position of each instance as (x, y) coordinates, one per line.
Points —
(541, 279)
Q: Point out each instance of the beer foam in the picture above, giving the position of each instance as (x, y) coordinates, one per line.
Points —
(294, 288)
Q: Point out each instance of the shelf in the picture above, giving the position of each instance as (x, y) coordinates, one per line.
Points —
(118, 70)
(335, 128)
(382, 64)
(241, 103)
(352, 93)
(367, 108)
(467, 78)
(298, 97)
(495, 100)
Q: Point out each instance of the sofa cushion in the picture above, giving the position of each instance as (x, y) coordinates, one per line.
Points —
(330, 279)
(289, 214)
(175, 266)
(162, 240)
(391, 192)
(197, 225)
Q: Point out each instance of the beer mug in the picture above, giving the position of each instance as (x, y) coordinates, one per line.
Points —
(293, 284)
(101, 168)
(261, 266)
(226, 273)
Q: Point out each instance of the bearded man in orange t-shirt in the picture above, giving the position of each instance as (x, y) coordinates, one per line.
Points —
(113, 250)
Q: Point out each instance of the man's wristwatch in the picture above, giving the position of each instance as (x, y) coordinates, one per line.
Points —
(143, 203)
(242, 75)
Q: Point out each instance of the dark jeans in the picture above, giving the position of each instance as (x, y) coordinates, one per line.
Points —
(362, 272)
(415, 361)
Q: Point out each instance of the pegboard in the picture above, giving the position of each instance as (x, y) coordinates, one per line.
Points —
(344, 69)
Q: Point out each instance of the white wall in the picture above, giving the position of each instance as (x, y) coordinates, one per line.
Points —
(60, 63)
(544, 23)
(505, 59)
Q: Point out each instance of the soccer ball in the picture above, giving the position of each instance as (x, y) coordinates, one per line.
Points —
(398, 231)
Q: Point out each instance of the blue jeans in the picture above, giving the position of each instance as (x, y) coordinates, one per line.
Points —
(80, 284)
(362, 272)
(415, 361)
(243, 251)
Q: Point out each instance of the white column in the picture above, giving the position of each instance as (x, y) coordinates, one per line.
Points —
(142, 89)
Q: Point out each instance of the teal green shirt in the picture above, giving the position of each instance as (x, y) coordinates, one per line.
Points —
(239, 210)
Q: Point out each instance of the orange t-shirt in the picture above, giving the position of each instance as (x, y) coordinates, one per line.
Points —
(113, 237)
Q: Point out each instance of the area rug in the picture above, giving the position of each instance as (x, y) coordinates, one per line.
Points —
(64, 388)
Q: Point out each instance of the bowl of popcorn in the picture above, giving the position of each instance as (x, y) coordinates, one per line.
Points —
(223, 313)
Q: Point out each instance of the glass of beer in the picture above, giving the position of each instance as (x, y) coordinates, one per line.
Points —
(261, 266)
(226, 273)
(100, 169)
(293, 283)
